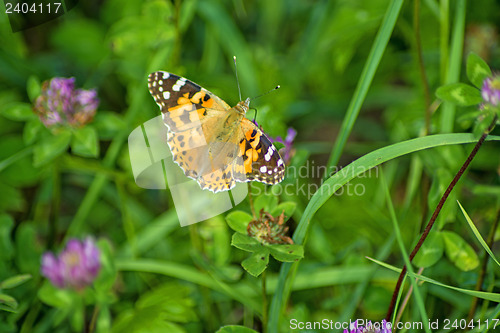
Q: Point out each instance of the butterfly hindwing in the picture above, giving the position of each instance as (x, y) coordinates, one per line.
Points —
(261, 160)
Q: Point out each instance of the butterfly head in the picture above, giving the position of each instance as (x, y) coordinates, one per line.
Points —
(243, 106)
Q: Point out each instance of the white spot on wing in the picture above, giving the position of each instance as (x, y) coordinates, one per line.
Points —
(177, 86)
(263, 169)
(166, 75)
(267, 157)
(166, 95)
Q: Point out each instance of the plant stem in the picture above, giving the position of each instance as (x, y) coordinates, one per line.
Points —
(250, 199)
(56, 203)
(406, 299)
(264, 303)
(482, 272)
(435, 215)
(93, 319)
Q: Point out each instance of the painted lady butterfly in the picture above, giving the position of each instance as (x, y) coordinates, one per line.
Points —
(212, 142)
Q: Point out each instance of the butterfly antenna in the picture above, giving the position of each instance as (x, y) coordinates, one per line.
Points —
(236, 72)
(275, 88)
(255, 115)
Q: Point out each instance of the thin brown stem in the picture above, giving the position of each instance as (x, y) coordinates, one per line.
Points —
(435, 215)
(93, 320)
(406, 299)
(427, 100)
(484, 264)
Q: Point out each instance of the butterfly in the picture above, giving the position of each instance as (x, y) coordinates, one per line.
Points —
(213, 143)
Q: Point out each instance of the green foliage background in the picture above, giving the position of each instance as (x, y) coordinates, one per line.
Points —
(160, 277)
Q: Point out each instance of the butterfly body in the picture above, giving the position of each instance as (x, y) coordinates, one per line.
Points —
(213, 143)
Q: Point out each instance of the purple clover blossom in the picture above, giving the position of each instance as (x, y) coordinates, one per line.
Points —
(86, 103)
(491, 91)
(384, 327)
(60, 104)
(288, 151)
(76, 266)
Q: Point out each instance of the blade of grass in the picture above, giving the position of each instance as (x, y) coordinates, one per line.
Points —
(444, 21)
(190, 274)
(15, 157)
(482, 271)
(453, 73)
(477, 234)
(494, 297)
(335, 182)
(495, 314)
(399, 238)
(371, 65)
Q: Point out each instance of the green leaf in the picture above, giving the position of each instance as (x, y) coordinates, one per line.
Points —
(477, 70)
(235, 329)
(459, 252)
(50, 147)
(85, 142)
(478, 235)
(256, 263)
(31, 130)
(483, 122)
(59, 298)
(9, 301)
(33, 87)
(246, 243)
(157, 310)
(460, 94)
(14, 281)
(238, 221)
(431, 250)
(18, 111)
(288, 207)
(286, 252)
(265, 201)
